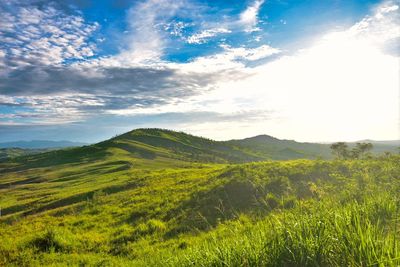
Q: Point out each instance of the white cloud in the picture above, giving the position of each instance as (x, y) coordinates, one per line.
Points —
(344, 87)
(202, 36)
(35, 36)
(381, 29)
(247, 21)
(251, 53)
(231, 58)
(249, 17)
(146, 40)
(49, 110)
(176, 28)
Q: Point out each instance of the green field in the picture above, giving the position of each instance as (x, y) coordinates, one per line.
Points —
(154, 197)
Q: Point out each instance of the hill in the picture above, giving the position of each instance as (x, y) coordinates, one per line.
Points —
(153, 197)
(149, 144)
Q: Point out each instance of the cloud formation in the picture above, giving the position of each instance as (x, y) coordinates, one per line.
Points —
(32, 36)
(50, 74)
(137, 77)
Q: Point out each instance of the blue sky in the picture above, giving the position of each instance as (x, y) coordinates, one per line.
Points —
(86, 70)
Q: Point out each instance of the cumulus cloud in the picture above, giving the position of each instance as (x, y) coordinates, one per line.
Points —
(380, 29)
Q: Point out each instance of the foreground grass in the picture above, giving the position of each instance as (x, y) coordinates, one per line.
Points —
(295, 213)
(322, 234)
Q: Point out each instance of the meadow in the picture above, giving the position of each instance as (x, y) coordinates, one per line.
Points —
(160, 198)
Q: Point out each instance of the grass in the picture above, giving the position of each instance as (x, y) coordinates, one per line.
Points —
(115, 208)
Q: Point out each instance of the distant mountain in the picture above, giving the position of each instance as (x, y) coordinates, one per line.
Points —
(40, 144)
(380, 147)
(388, 142)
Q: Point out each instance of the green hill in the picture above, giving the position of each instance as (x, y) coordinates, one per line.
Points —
(166, 145)
(154, 197)
(152, 142)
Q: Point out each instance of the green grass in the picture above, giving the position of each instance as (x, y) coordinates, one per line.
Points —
(109, 205)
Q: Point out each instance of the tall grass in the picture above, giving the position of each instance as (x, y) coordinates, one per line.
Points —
(321, 234)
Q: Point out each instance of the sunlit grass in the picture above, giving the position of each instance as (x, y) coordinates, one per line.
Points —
(125, 211)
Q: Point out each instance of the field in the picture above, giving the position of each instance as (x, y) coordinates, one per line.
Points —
(161, 198)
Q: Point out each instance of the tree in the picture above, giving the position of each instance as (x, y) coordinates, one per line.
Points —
(340, 150)
(361, 150)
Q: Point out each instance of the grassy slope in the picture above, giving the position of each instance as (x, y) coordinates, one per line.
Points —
(7, 153)
(123, 202)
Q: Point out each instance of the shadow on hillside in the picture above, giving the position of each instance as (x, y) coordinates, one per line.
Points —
(33, 180)
(86, 196)
(206, 209)
(74, 156)
(143, 153)
(105, 168)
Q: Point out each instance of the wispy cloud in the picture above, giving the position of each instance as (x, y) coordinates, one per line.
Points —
(246, 21)
(202, 36)
(249, 17)
(146, 40)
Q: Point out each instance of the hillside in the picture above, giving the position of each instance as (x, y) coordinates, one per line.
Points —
(153, 197)
(273, 148)
(6, 153)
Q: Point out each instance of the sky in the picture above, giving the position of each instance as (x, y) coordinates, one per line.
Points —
(84, 70)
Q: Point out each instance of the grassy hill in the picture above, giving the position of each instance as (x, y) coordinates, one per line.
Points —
(150, 144)
(153, 197)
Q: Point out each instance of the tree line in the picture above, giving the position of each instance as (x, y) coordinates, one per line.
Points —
(361, 151)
